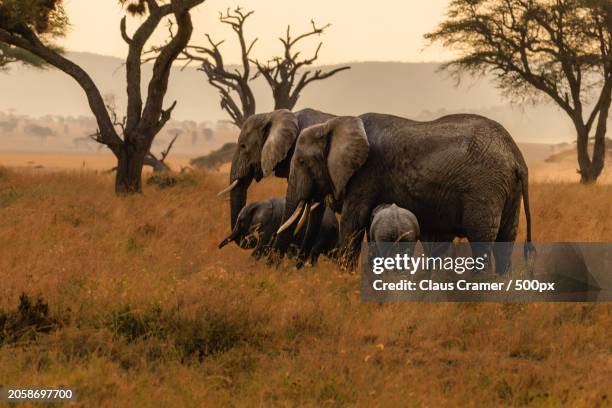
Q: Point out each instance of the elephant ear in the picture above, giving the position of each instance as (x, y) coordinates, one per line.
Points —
(281, 138)
(348, 150)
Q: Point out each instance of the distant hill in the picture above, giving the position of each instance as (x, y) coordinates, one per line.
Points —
(398, 88)
(415, 90)
(569, 153)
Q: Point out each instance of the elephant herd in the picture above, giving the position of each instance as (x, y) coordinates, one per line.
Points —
(460, 176)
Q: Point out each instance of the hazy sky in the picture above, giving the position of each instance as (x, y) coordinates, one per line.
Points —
(383, 30)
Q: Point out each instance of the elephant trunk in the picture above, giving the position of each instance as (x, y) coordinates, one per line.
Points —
(238, 195)
(226, 241)
(231, 237)
(238, 198)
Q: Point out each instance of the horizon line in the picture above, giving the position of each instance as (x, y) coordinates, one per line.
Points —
(317, 65)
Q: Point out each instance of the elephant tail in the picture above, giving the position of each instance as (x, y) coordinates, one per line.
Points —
(529, 248)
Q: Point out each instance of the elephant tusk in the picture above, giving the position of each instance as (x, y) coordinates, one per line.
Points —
(228, 188)
(314, 206)
(302, 220)
(291, 219)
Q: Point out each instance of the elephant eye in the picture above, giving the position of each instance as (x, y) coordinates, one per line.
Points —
(242, 146)
(300, 160)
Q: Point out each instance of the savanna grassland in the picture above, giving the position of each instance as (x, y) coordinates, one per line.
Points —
(129, 301)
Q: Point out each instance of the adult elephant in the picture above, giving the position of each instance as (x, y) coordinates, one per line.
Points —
(462, 175)
(265, 146)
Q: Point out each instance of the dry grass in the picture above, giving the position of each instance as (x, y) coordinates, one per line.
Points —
(146, 311)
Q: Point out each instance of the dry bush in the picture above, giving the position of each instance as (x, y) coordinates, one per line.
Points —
(153, 314)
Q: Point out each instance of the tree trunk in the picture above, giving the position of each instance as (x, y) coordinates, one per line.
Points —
(158, 165)
(591, 166)
(582, 148)
(282, 100)
(129, 170)
(590, 174)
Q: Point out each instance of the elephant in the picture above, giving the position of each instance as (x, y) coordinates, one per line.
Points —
(462, 175)
(265, 146)
(392, 224)
(258, 221)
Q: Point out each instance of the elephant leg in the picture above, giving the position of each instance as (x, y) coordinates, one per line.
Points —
(436, 245)
(507, 234)
(322, 245)
(313, 257)
(263, 243)
(312, 233)
(353, 223)
(481, 225)
(259, 246)
(258, 251)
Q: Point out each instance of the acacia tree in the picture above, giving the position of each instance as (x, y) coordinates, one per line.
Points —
(145, 117)
(558, 48)
(47, 18)
(286, 75)
(229, 82)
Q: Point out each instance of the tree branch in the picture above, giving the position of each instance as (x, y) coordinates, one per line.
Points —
(281, 72)
(225, 81)
(158, 85)
(30, 42)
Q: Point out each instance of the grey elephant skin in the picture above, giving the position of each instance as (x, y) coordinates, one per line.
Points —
(265, 146)
(258, 222)
(390, 223)
(461, 175)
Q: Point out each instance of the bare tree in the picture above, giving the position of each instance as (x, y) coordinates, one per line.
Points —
(285, 75)
(158, 165)
(144, 118)
(229, 82)
(561, 49)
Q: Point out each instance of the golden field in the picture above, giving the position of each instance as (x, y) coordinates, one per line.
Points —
(144, 310)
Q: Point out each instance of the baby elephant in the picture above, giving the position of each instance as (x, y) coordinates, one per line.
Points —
(393, 224)
(258, 222)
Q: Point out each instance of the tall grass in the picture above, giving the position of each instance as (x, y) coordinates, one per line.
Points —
(139, 307)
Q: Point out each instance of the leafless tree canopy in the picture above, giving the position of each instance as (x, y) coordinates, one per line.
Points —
(229, 82)
(286, 75)
(558, 48)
